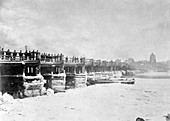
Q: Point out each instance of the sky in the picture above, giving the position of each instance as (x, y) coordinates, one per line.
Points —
(99, 29)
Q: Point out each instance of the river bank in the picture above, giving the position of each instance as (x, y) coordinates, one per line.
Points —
(154, 75)
(148, 98)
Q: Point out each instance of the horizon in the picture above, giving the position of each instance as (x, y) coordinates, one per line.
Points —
(102, 59)
(94, 29)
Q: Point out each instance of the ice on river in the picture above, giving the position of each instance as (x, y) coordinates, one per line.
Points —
(147, 98)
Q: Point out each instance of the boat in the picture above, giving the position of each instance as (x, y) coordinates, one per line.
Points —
(123, 80)
(102, 77)
(126, 80)
(99, 77)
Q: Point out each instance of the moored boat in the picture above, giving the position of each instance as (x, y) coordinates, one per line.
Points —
(123, 80)
(128, 81)
(99, 77)
(102, 77)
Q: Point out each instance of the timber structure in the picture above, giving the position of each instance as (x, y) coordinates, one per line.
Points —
(76, 75)
(28, 73)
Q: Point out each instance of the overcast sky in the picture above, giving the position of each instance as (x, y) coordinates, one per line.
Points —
(107, 29)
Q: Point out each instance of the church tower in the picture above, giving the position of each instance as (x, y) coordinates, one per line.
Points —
(152, 58)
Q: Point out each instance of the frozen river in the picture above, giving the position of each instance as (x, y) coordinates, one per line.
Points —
(148, 98)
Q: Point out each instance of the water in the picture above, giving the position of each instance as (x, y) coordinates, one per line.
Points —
(160, 86)
(147, 98)
(153, 97)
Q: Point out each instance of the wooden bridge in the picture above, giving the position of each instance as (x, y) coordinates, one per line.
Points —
(19, 68)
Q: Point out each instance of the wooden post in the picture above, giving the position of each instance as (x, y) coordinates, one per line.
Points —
(111, 68)
(74, 69)
(83, 69)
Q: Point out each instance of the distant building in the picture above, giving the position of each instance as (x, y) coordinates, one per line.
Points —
(152, 58)
(130, 60)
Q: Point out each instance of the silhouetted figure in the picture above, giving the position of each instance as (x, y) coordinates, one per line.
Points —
(84, 59)
(66, 59)
(81, 60)
(8, 54)
(55, 57)
(42, 56)
(48, 58)
(167, 118)
(26, 55)
(58, 57)
(33, 55)
(37, 55)
(73, 59)
(51, 57)
(30, 55)
(2, 53)
(140, 119)
(37, 70)
(61, 57)
(77, 59)
(45, 57)
(21, 55)
(14, 54)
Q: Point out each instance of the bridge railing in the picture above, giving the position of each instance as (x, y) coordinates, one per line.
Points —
(74, 60)
(51, 57)
(9, 55)
(18, 56)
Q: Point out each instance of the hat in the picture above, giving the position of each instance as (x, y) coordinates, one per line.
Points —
(168, 116)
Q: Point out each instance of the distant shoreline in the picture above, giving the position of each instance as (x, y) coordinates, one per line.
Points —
(154, 75)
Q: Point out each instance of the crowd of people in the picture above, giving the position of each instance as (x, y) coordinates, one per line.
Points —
(27, 55)
(36, 55)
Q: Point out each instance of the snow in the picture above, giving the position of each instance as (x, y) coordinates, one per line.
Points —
(50, 92)
(6, 98)
(106, 102)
